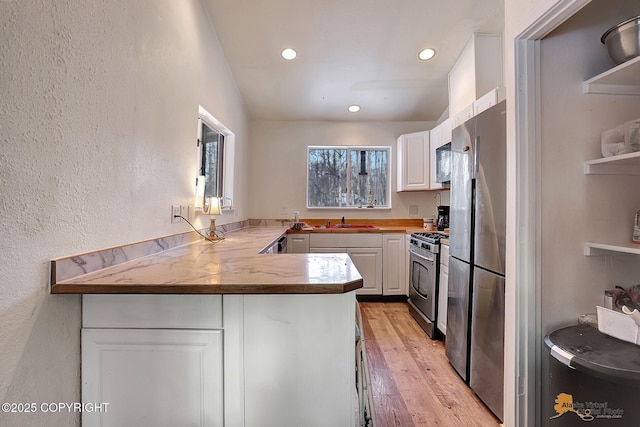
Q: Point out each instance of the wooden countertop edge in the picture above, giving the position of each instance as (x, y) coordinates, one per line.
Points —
(400, 230)
(208, 289)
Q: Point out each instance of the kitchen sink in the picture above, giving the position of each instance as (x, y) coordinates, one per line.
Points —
(351, 226)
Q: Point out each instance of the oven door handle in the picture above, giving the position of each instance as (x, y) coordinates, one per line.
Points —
(431, 260)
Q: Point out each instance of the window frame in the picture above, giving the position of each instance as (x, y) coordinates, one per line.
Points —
(226, 167)
(219, 192)
(350, 148)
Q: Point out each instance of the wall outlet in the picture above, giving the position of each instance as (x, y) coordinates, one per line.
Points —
(185, 211)
(413, 209)
(175, 210)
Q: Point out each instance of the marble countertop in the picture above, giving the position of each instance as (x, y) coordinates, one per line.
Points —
(230, 266)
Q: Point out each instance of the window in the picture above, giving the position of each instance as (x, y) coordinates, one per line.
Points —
(216, 156)
(212, 156)
(348, 177)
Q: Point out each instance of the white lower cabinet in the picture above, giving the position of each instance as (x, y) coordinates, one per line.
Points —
(298, 243)
(443, 290)
(155, 359)
(368, 261)
(379, 257)
(152, 377)
(328, 251)
(394, 254)
(364, 249)
(267, 360)
(299, 360)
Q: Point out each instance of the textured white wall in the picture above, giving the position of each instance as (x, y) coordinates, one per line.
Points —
(98, 110)
(279, 150)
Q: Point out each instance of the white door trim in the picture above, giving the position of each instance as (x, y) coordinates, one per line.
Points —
(524, 341)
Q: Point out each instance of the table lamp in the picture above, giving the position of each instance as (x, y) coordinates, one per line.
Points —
(212, 208)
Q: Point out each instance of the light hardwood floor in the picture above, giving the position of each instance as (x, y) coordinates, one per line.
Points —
(412, 380)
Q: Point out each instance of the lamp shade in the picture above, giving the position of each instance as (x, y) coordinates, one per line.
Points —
(212, 206)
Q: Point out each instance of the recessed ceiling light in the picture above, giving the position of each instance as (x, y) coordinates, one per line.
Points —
(354, 108)
(426, 54)
(289, 54)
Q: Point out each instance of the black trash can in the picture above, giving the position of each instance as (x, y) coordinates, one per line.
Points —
(594, 380)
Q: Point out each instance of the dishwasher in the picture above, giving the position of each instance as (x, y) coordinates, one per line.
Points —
(281, 245)
(277, 247)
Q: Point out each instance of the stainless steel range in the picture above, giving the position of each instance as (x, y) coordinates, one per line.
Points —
(424, 263)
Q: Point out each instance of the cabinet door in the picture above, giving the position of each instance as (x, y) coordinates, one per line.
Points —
(299, 360)
(152, 377)
(298, 243)
(394, 280)
(368, 261)
(413, 162)
(463, 115)
(485, 102)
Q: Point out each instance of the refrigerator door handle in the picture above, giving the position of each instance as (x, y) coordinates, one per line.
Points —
(476, 157)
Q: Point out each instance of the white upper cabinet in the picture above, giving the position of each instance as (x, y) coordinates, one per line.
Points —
(413, 162)
(485, 102)
(440, 135)
(463, 115)
(477, 71)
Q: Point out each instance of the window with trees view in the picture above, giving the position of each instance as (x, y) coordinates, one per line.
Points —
(348, 177)
(212, 158)
(216, 153)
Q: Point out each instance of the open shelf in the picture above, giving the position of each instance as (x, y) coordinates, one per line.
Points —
(621, 80)
(624, 164)
(607, 249)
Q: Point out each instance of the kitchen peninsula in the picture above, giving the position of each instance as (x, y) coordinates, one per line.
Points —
(210, 334)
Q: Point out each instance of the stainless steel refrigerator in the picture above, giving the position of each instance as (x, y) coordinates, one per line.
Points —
(477, 219)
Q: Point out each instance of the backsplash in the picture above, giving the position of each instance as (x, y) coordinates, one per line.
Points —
(75, 265)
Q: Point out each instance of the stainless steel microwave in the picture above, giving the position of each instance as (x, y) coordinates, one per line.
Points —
(443, 163)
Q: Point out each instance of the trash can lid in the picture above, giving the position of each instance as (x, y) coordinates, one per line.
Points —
(586, 349)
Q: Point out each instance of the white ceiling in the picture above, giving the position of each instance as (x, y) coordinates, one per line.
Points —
(349, 52)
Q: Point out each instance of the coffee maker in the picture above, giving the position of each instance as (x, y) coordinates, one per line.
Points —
(443, 217)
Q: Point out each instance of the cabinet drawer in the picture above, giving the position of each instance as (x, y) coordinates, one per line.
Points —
(152, 311)
(327, 250)
(345, 240)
